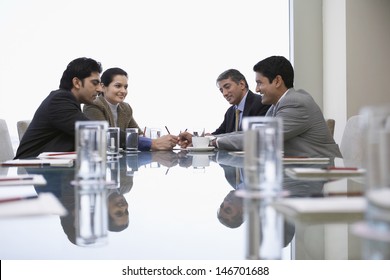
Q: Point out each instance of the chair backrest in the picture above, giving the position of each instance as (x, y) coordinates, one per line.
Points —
(331, 124)
(22, 127)
(351, 145)
(6, 151)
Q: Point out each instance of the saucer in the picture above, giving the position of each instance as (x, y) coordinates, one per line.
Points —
(203, 149)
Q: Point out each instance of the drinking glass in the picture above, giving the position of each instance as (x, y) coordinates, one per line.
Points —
(91, 144)
(375, 122)
(113, 136)
(263, 145)
(131, 139)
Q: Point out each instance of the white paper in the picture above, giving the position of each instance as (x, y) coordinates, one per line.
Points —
(302, 172)
(21, 180)
(324, 205)
(58, 155)
(39, 162)
(45, 204)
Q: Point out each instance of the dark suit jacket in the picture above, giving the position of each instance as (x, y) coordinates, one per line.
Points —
(253, 107)
(52, 128)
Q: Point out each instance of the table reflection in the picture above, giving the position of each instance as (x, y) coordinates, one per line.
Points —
(172, 211)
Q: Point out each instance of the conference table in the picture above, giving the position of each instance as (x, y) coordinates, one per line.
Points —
(166, 206)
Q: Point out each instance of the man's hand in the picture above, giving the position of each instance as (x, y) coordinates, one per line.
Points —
(164, 143)
(185, 139)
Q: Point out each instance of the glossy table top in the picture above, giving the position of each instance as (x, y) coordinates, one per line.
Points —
(172, 200)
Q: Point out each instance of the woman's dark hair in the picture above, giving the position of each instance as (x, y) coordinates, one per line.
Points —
(110, 73)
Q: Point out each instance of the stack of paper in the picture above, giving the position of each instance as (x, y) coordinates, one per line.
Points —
(305, 160)
(20, 180)
(293, 160)
(58, 155)
(44, 204)
(328, 207)
(38, 162)
(310, 173)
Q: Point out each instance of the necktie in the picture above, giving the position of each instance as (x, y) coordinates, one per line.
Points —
(237, 123)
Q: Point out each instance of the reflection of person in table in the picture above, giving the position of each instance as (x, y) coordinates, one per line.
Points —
(118, 208)
(230, 212)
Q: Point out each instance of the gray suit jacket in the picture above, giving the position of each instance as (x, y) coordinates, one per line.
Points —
(304, 128)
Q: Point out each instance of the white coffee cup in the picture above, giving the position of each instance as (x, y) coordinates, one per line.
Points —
(200, 142)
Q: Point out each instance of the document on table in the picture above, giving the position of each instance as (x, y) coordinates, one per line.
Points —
(305, 160)
(58, 155)
(20, 180)
(310, 173)
(293, 160)
(328, 206)
(38, 162)
(43, 204)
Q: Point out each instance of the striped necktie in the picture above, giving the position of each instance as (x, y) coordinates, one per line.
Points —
(237, 121)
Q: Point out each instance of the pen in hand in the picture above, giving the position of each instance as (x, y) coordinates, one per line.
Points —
(167, 129)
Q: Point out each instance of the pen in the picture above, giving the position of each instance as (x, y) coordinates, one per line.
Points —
(167, 129)
(15, 179)
(4, 200)
(339, 168)
(332, 194)
(25, 164)
(60, 154)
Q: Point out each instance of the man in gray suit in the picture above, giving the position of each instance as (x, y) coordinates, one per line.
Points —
(304, 128)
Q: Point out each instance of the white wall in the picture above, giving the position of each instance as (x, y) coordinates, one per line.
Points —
(173, 51)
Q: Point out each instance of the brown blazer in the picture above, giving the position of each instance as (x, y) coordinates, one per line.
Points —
(100, 110)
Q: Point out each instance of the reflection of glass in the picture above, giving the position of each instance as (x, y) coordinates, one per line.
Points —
(113, 174)
(264, 229)
(263, 145)
(91, 146)
(91, 213)
(155, 133)
(131, 164)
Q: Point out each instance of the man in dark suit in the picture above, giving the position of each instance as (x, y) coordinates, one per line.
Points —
(234, 88)
(53, 125)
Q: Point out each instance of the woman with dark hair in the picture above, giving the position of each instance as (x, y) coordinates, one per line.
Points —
(110, 106)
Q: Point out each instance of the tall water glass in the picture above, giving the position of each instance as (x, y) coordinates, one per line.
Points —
(375, 122)
(263, 145)
(131, 139)
(91, 139)
(113, 136)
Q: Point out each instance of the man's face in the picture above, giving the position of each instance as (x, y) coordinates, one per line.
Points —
(266, 89)
(89, 88)
(118, 209)
(232, 91)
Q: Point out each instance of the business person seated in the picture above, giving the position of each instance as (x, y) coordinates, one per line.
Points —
(305, 131)
(53, 126)
(234, 88)
(110, 106)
